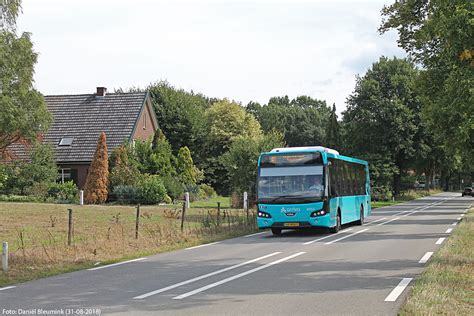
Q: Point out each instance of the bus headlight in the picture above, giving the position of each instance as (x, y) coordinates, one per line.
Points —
(318, 213)
(263, 214)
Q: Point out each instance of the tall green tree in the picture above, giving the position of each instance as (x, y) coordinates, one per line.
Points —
(380, 122)
(333, 133)
(439, 35)
(188, 173)
(23, 112)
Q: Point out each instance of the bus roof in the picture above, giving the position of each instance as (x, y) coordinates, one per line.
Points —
(331, 153)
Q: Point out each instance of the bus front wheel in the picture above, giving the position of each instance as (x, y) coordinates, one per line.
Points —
(336, 228)
(276, 231)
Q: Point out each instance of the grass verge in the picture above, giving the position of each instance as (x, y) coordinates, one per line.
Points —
(404, 197)
(446, 287)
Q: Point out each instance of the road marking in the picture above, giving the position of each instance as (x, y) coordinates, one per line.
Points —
(459, 218)
(246, 236)
(462, 215)
(454, 224)
(393, 219)
(209, 244)
(312, 241)
(426, 257)
(379, 220)
(448, 231)
(440, 241)
(116, 264)
(392, 297)
(336, 240)
(6, 288)
(203, 276)
(204, 288)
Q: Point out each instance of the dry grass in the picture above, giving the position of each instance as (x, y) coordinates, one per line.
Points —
(446, 287)
(37, 235)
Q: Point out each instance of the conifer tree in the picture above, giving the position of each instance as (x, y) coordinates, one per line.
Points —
(96, 188)
(333, 138)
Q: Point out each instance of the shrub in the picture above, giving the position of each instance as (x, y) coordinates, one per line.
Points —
(167, 199)
(206, 191)
(63, 192)
(173, 187)
(151, 189)
(97, 181)
(126, 194)
(381, 193)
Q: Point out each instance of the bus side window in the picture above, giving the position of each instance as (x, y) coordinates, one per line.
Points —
(332, 178)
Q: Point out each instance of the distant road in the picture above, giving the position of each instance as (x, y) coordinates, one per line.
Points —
(362, 270)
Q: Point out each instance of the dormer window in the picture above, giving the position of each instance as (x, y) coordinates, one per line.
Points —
(66, 141)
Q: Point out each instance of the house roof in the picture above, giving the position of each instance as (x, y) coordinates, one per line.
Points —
(83, 117)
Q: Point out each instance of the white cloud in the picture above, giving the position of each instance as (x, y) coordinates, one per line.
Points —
(243, 50)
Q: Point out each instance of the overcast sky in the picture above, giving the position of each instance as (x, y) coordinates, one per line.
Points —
(242, 50)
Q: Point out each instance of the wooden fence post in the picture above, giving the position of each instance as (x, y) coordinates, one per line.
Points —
(218, 213)
(182, 216)
(69, 230)
(137, 221)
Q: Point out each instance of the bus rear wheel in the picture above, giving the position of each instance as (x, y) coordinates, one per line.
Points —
(276, 231)
(336, 228)
(362, 219)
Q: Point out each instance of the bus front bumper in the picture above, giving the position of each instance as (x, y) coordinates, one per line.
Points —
(319, 221)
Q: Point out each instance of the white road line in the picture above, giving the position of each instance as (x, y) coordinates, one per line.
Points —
(454, 224)
(204, 288)
(379, 220)
(426, 257)
(203, 277)
(448, 231)
(392, 297)
(115, 264)
(336, 240)
(393, 219)
(247, 236)
(6, 288)
(313, 241)
(462, 215)
(440, 241)
(209, 244)
(459, 218)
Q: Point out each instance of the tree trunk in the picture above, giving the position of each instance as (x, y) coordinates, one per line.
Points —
(396, 184)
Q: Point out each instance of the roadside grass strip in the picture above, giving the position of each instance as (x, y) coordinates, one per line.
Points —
(392, 297)
(200, 246)
(203, 276)
(426, 257)
(210, 286)
(325, 237)
(6, 288)
(350, 235)
(446, 285)
(116, 264)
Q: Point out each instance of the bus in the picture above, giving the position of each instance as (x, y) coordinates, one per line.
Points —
(304, 187)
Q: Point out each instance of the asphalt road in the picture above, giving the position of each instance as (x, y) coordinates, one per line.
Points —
(359, 271)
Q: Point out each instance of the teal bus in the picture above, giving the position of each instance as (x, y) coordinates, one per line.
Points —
(304, 187)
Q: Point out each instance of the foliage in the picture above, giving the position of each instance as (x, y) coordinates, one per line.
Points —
(188, 173)
(9, 10)
(126, 194)
(64, 192)
(333, 133)
(207, 191)
(97, 181)
(151, 189)
(174, 188)
(438, 34)
(24, 114)
(381, 119)
(123, 166)
(241, 159)
(302, 121)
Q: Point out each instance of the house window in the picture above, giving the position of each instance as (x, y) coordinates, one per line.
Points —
(66, 141)
(67, 174)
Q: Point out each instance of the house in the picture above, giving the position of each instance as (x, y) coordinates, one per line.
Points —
(79, 120)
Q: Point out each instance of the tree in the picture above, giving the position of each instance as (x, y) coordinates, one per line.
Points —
(188, 173)
(333, 134)
(123, 166)
(225, 121)
(97, 181)
(380, 120)
(438, 34)
(23, 112)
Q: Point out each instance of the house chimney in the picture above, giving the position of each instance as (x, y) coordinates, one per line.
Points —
(101, 91)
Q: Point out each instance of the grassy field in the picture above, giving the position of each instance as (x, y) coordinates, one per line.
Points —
(404, 197)
(37, 234)
(225, 202)
(446, 287)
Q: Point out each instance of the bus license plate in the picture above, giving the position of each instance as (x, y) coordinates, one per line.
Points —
(291, 224)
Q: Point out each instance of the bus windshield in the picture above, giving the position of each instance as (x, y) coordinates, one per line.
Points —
(298, 184)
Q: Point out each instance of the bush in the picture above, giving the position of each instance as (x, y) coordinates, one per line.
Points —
(63, 192)
(173, 187)
(126, 194)
(151, 189)
(381, 193)
(206, 191)
(167, 199)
